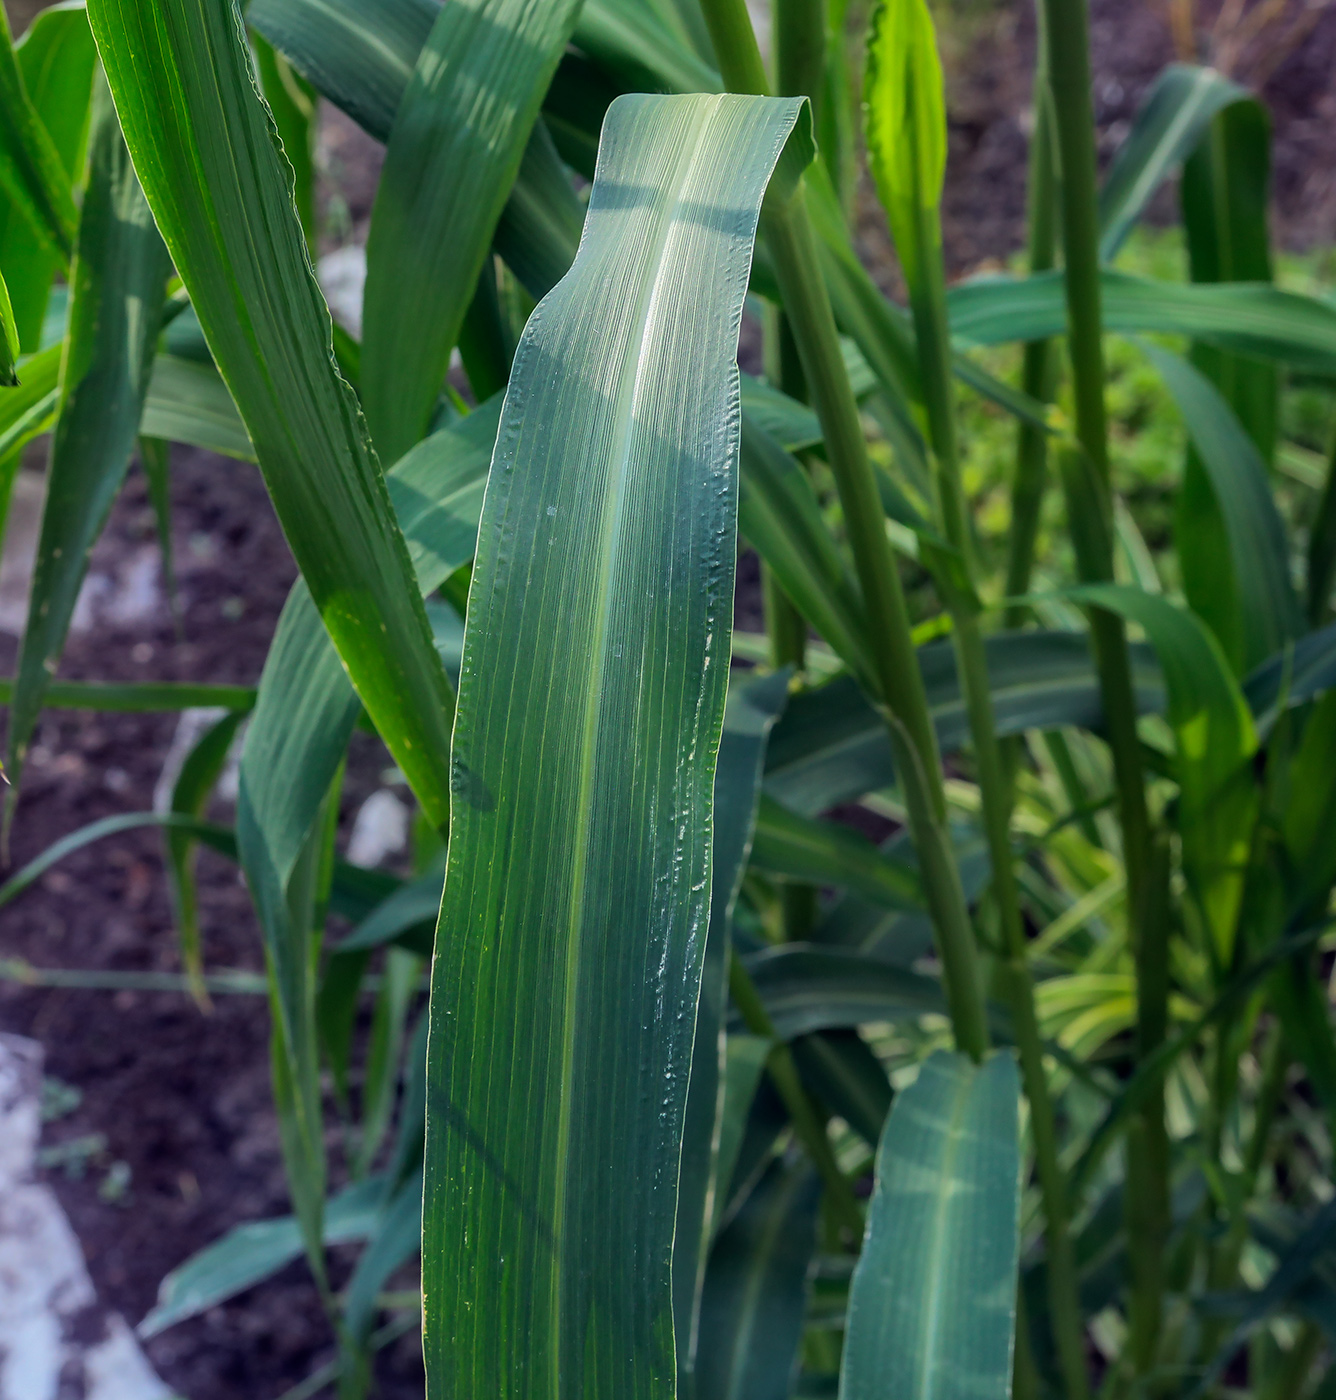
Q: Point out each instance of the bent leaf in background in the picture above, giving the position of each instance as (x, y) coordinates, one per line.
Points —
(207, 153)
(1218, 801)
(55, 55)
(568, 955)
(1235, 559)
(455, 149)
(119, 281)
(1168, 125)
(932, 1306)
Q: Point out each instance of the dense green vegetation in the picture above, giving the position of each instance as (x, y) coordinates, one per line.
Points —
(713, 1095)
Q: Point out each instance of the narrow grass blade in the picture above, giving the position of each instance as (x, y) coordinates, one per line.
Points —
(1168, 125)
(1240, 584)
(221, 191)
(292, 102)
(458, 137)
(31, 171)
(749, 716)
(1216, 740)
(9, 340)
(756, 1289)
(1248, 317)
(118, 280)
(55, 56)
(139, 699)
(602, 585)
(932, 1307)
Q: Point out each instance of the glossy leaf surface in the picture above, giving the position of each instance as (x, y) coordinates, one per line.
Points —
(572, 927)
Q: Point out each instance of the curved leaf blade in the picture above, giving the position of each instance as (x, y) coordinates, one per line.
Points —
(221, 190)
(569, 946)
(932, 1306)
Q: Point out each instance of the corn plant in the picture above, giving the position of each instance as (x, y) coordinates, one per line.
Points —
(713, 1095)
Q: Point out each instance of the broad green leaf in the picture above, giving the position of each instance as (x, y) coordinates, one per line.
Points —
(221, 191)
(249, 1254)
(825, 853)
(806, 988)
(32, 174)
(1254, 603)
(118, 280)
(905, 123)
(750, 713)
(572, 927)
(744, 1068)
(1216, 740)
(628, 40)
(756, 1289)
(831, 745)
(454, 151)
(188, 402)
(1170, 121)
(407, 917)
(55, 56)
(1249, 317)
(932, 1307)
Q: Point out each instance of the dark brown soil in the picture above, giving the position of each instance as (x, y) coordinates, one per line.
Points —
(183, 1099)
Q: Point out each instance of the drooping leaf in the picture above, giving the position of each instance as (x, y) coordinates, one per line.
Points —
(118, 280)
(932, 1307)
(1254, 603)
(1248, 317)
(612, 497)
(756, 1289)
(221, 192)
(839, 1068)
(808, 988)
(1168, 125)
(749, 715)
(55, 56)
(826, 853)
(905, 106)
(249, 1254)
(831, 745)
(454, 151)
(1216, 739)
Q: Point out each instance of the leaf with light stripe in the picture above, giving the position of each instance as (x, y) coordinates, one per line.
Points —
(932, 1306)
(453, 154)
(221, 191)
(569, 949)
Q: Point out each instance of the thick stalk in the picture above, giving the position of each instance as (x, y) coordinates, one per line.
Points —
(1066, 27)
(800, 49)
(928, 302)
(792, 246)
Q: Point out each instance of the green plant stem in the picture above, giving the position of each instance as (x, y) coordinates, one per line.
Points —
(1039, 370)
(800, 49)
(928, 303)
(1066, 27)
(792, 245)
(1149, 1211)
(807, 1122)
